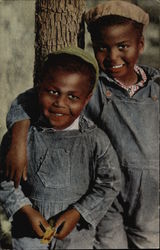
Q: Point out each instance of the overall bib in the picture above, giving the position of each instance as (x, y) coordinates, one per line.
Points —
(133, 127)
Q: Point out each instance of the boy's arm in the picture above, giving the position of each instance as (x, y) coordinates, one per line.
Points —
(24, 107)
(23, 110)
(16, 159)
(96, 202)
(15, 203)
(13, 200)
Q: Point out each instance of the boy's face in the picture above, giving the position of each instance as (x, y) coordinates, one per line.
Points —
(117, 51)
(63, 96)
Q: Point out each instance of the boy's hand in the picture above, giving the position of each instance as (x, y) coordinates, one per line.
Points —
(16, 163)
(66, 222)
(16, 159)
(37, 221)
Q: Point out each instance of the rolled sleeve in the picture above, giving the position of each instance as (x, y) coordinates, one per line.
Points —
(15, 114)
(12, 199)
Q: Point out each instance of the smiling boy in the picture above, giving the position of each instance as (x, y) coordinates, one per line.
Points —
(126, 106)
(62, 88)
(73, 171)
(117, 50)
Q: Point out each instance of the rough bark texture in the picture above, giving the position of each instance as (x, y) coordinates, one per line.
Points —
(58, 23)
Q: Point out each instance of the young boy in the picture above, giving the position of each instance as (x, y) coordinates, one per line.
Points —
(73, 172)
(126, 106)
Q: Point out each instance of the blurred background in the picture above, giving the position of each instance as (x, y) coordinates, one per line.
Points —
(17, 59)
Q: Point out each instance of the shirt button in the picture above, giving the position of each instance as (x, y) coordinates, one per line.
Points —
(108, 93)
(154, 98)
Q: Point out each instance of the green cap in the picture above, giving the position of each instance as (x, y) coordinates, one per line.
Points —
(84, 55)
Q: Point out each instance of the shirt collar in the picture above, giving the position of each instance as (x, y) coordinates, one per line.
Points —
(131, 89)
(73, 126)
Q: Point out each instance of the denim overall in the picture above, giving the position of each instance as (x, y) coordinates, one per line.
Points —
(133, 127)
(78, 168)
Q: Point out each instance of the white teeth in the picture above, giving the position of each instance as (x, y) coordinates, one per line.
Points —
(59, 114)
(117, 66)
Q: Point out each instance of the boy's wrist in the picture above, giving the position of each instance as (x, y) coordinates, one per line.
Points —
(82, 223)
(76, 213)
(26, 209)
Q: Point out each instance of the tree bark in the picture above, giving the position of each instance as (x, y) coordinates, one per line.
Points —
(58, 24)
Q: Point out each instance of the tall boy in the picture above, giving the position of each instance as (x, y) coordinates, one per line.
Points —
(126, 106)
(73, 171)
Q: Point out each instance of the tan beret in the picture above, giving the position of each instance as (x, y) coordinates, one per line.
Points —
(120, 8)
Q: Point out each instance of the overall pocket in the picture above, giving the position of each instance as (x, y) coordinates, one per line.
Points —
(54, 170)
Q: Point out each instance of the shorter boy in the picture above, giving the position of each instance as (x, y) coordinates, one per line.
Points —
(73, 172)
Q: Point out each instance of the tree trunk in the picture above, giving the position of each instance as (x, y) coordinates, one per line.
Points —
(58, 23)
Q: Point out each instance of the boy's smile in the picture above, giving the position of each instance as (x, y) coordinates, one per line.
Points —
(63, 96)
(118, 51)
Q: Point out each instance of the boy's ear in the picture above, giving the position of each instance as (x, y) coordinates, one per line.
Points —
(141, 45)
(88, 97)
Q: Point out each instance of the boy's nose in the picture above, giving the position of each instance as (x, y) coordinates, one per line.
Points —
(110, 57)
(60, 101)
(113, 55)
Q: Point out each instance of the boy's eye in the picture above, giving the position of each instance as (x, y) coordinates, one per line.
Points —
(98, 47)
(102, 49)
(73, 97)
(53, 92)
(122, 46)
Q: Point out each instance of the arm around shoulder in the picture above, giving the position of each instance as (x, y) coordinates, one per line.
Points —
(16, 158)
(18, 120)
(23, 107)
